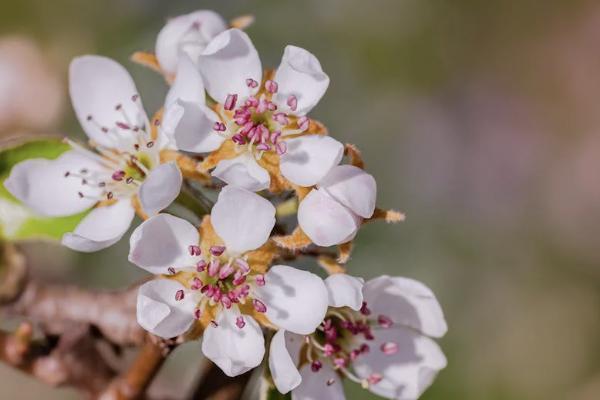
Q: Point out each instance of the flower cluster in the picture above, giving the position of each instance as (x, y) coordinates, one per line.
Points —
(230, 126)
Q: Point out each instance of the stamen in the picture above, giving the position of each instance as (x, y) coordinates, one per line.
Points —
(292, 102)
(219, 127)
(239, 322)
(172, 270)
(281, 148)
(384, 321)
(260, 280)
(179, 295)
(230, 102)
(196, 283)
(194, 250)
(201, 266)
(259, 306)
(271, 86)
(364, 310)
(251, 83)
(197, 313)
(303, 123)
(316, 365)
(374, 378)
(213, 267)
(389, 348)
(217, 250)
(118, 175)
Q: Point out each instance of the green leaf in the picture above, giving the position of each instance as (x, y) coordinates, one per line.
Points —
(17, 222)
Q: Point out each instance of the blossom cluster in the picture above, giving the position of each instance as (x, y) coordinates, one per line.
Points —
(229, 126)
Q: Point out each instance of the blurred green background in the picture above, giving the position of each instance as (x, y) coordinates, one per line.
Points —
(479, 119)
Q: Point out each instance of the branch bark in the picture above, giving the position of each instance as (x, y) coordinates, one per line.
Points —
(214, 384)
(133, 383)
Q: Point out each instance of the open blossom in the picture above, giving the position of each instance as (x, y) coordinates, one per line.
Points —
(378, 335)
(122, 166)
(186, 34)
(221, 279)
(333, 212)
(258, 125)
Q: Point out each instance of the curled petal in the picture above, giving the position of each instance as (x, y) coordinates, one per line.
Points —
(407, 302)
(345, 291)
(309, 158)
(300, 75)
(324, 384)
(296, 300)
(101, 228)
(243, 219)
(186, 35)
(405, 374)
(42, 185)
(159, 311)
(162, 242)
(235, 350)
(102, 91)
(227, 62)
(160, 188)
(352, 187)
(191, 127)
(325, 221)
(243, 171)
(281, 364)
(188, 85)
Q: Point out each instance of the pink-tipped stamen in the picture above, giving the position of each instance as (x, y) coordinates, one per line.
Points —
(389, 348)
(271, 86)
(259, 306)
(230, 102)
(292, 102)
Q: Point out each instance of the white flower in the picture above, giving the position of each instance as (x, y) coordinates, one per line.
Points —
(186, 34)
(332, 213)
(219, 284)
(260, 119)
(382, 341)
(126, 162)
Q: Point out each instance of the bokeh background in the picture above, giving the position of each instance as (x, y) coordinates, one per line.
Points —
(479, 119)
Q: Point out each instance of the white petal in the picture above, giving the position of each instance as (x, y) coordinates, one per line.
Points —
(234, 350)
(407, 373)
(190, 127)
(97, 85)
(345, 291)
(101, 228)
(300, 74)
(160, 188)
(309, 158)
(296, 300)
(282, 366)
(42, 186)
(187, 86)
(159, 313)
(243, 171)
(188, 34)
(352, 187)
(228, 60)
(407, 302)
(162, 242)
(325, 384)
(243, 219)
(325, 221)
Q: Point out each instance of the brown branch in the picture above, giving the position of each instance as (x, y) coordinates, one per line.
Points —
(54, 306)
(74, 361)
(214, 384)
(133, 383)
